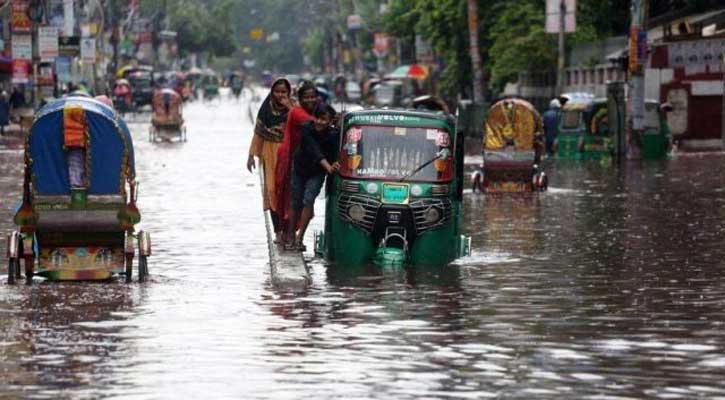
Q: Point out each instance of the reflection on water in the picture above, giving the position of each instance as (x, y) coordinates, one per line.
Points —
(610, 285)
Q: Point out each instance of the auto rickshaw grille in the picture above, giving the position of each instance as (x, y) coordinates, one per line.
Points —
(421, 207)
(369, 205)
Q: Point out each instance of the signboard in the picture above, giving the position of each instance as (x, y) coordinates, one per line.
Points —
(45, 75)
(48, 43)
(637, 48)
(55, 14)
(423, 50)
(22, 47)
(21, 71)
(69, 23)
(63, 69)
(21, 22)
(381, 45)
(553, 16)
(69, 45)
(88, 50)
(354, 22)
(256, 34)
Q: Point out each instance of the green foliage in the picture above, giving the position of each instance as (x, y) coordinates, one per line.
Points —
(519, 42)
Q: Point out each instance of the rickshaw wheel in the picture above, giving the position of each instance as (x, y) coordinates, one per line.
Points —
(129, 268)
(143, 268)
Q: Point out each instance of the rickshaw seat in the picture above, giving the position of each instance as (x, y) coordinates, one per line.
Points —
(100, 214)
(518, 160)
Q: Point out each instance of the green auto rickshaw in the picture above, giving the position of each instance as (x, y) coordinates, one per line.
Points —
(583, 130)
(397, 198)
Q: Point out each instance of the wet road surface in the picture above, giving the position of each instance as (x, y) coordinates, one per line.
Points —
(609, 286)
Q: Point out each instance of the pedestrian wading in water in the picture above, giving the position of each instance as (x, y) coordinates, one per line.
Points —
(298, 116)
(268, 135)
(313, 161)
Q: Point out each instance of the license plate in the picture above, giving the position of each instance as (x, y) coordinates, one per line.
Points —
(395, 194)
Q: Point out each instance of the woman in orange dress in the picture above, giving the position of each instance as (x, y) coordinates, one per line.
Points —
(268, 135)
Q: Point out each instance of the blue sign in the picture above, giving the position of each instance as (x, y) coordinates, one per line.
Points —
(63, 69)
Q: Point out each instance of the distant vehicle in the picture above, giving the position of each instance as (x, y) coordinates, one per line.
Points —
(353, 91)
(167, 121)
(142, 83)
(392, 93)
(512, 148)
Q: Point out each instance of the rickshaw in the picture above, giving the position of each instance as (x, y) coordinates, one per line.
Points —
(236, 82)
(78, 210)
(397, 198)
(123, 96)
(167, 121)
(141, 80)
(430, 103)
(210, 85)
(512, 148)
(583, 129)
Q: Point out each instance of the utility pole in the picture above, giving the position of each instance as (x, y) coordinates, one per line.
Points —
(637, 65)
(560, 61)
(478, 94)
(722, 120)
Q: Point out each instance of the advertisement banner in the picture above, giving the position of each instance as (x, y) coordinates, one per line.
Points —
(21, 22)
(22, 47)
(21, 71)
(88, 50)
(63, 69)
(69, 45)
(48, 43)
(69, 23)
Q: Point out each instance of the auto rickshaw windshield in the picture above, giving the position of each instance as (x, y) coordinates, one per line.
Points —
(394, 152)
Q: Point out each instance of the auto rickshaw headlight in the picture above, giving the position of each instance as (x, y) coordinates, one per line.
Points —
(372, 188)
(416, 190)
(432, 215)
(356, 212)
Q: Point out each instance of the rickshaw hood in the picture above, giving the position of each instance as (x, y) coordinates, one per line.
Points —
(108, 143)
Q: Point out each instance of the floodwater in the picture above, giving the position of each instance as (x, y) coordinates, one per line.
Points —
(609, 286)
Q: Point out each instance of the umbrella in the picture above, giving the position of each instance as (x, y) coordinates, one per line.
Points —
(415, 71)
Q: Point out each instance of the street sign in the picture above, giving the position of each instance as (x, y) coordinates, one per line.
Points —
(22, 47)
(63, 69)
(48, 43)
(69, 18)
(553, 16)
(21, 23)
(21, 71)
(381, 45)
(88, 50)
(354, 22)
(69, 45)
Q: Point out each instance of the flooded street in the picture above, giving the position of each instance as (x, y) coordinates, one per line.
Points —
(610, 285)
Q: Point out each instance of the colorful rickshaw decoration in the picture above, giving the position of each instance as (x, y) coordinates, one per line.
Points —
(397, 198)
(512, 148)
(78, 211)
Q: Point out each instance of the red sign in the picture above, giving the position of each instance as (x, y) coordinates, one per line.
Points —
(20, 21)
(21, 71)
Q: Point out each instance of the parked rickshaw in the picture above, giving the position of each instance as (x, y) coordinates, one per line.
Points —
(397, 198)
(77, 216)
(167, 121)
(123, 96)
(583, 129)
(512, 148)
